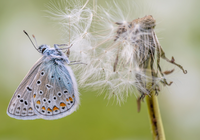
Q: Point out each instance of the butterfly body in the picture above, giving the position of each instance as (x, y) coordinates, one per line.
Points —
(49, 90)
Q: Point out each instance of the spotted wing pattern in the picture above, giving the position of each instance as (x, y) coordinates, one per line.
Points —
(21, 104)
(55, 91)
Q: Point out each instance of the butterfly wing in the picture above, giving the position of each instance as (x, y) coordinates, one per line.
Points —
(21, 104)
(56, 94)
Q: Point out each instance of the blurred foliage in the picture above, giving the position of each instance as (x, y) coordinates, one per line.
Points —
(96, 117)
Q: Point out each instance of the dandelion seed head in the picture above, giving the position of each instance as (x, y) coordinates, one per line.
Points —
(122, 46)
(116, 46)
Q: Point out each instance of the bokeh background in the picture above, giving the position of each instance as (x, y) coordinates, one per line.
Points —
(98, 118)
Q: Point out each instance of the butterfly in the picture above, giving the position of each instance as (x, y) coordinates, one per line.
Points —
(49, 90)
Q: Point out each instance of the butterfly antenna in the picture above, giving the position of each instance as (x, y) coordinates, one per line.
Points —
(31, 40)
(35, 40)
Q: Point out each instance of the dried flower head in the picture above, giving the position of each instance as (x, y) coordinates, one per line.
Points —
(127, 57)
(122, 56)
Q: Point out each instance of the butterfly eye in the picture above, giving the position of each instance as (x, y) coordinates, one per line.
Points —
(43, 49)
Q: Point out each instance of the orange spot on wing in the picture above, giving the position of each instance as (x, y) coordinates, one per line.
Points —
(49, 110)
(70, 98)
(34, 95)
(55, 108)
(43, 108)
(38, 102)
(73, 96)
(30, 108)
(62, 104)
(67, 99)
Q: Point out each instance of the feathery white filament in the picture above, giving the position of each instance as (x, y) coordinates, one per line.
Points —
(115, 51)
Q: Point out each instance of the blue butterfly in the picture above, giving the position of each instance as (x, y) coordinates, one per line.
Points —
(49, 90)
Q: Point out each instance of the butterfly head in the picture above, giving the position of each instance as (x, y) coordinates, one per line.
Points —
(43, 48)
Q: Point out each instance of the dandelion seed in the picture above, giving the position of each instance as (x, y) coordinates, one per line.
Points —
(74, 17)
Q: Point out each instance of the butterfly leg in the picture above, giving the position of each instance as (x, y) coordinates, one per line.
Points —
(67, 49)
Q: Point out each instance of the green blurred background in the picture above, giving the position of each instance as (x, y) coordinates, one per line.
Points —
(98, 118)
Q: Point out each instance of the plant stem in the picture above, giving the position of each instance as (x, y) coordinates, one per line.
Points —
(155, 117)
